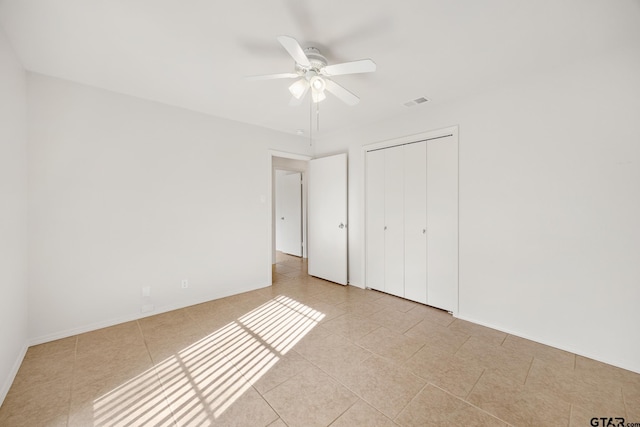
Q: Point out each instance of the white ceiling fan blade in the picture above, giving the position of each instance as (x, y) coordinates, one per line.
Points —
(273, 76)
(293, 47)
(354, 67)
(341, 93)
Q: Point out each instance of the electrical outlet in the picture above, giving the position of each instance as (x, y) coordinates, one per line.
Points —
(185, 283)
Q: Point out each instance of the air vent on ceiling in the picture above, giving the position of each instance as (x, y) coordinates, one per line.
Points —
(416, 101)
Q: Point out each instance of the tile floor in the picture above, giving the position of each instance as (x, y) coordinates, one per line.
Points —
(306, 352)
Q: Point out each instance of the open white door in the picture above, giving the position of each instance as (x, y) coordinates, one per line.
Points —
(289, 213)
(327, 213)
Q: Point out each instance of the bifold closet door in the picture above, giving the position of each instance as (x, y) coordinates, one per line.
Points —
(394, 221)
(375, 219)
(415, 222)
(442, 223)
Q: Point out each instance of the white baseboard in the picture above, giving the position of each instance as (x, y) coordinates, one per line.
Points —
(134, 316)
(550, 344)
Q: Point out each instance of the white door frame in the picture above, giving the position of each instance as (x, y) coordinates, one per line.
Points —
(270, 204)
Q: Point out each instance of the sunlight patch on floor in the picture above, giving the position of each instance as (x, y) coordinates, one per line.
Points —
(203, 380)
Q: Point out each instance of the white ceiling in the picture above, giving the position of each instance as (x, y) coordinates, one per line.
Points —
(195, 53)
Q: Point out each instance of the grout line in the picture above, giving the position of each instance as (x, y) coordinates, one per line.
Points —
(427, 383)
(73, 375)
(343, 412)
(461, 345)
(266, 401)
(476, 383)
(504, 339)
(528, 370)
(471, 404)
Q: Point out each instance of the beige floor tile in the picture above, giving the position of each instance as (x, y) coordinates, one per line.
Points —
(435, 335)
(631, 395)
(102, 400)
(396, 303)
(311, 398)
(601, 397)
(329, 311)
(109, 370)
(249, 301)
(581, 417)
(397, 320)
(362, 414)
(390, 344)
(486, 334)
(248, 409)
(280, 278)
(433, 406)
(432, 314)
(457, 377)
(208, 309)
(212, 322)
(551, 356)
(40, 368)
(44, 405)
(517, 404)
(165, 344)
(284, 268)
(382, 384)
(277, 326)
(270, 372)
(333, 353)
(332, 294)
(53, 347)
(445, 370)
(293, 289)
(594, 371)
(350, 326)
(428, 360)
(201, 386)
(360, 308)
(294, 342)
(172, 321)
(493, 357)
(365, 295)
(114, 338)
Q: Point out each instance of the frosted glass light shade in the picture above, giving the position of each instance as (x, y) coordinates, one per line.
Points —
(299, 88)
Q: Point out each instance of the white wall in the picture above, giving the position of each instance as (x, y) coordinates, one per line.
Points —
(13, 215)
(127, 193)
(549, 203)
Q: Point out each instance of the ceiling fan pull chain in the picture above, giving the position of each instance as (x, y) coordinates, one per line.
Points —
(318, 116)
(310, 121)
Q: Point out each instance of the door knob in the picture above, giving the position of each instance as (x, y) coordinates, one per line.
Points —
(282, 218)
(424, 231)
(341, 226)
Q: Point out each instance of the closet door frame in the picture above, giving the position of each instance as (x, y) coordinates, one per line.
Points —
(409, 139)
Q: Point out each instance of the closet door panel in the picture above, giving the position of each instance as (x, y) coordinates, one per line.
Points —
(415, 221)
(394, 221)
(375, 220)
(442, 223)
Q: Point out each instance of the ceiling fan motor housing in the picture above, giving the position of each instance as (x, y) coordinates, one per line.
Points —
(317, 60)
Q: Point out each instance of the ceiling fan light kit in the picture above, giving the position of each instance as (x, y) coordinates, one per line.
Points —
(313, 73)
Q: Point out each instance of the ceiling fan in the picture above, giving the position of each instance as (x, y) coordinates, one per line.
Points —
(313, 74)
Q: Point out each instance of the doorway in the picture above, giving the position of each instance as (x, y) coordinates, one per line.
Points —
(288, 201)
(287, 165)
